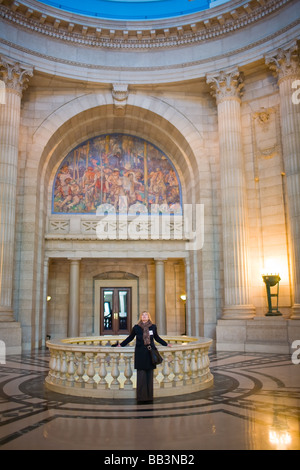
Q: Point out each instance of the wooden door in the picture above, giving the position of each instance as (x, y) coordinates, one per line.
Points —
(115, 310)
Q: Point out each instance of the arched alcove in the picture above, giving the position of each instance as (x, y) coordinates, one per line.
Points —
(86, 117)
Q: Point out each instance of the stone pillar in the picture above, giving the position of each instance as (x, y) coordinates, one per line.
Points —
(45, 301)
(188, 318)
(160, 302)
(285, 63)
(74, 298)
(227, 86)
(14, 76)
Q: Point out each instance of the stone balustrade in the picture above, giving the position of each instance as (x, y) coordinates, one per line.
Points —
(90, 367)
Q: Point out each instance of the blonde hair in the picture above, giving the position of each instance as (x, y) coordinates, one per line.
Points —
(149, 316)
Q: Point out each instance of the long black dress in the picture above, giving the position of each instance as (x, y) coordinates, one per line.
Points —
(142, 360)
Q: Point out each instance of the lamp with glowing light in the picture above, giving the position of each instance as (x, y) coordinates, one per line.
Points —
(272, 280)
(183, 298)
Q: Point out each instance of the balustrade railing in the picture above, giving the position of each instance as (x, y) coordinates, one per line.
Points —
(90, 367)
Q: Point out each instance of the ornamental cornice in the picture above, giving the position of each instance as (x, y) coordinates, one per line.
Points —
(204, 26)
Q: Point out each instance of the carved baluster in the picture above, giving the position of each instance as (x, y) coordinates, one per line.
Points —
(115, 372)
(52, 366)
(102, 371)
(71, 370)
(177, 370)
(166, 382)
(207, 362)
(194, 366)
(186, 368)
(90, 371)
(63, 368)
(80, 370)
(57, 367)
(200, 363)
(128, 385)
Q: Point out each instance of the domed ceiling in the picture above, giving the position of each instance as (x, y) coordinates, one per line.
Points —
(131, 9)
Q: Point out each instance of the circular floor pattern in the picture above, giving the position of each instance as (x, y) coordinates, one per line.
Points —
(251, 395)
(36, 388)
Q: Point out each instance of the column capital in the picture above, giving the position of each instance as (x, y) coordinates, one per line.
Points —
(14, 74)
(284, 62)
(226, 84)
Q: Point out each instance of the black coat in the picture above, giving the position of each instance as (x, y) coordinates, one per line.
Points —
(142, 360)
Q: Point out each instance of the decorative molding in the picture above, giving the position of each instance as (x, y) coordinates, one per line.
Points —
(205, 26)
(59, 226)
(195, 63)
(265, 133)
(120, 95)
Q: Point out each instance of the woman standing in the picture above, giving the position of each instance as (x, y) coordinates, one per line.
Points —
(145, 332)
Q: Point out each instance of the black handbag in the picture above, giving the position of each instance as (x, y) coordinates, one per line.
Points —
(155, 356)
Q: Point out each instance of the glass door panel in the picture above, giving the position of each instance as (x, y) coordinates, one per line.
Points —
(123, 309)
(108, 298)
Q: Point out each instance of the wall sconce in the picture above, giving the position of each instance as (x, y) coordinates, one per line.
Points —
(183, 297)
(271, 280)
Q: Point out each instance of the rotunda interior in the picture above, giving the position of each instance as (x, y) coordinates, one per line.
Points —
(186, 105)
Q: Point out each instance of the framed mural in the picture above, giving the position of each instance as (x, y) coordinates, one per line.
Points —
(104, 168)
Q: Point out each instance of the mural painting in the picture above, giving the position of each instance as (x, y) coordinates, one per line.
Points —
(106, 167)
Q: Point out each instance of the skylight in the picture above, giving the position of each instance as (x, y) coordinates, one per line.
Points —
(132, 9)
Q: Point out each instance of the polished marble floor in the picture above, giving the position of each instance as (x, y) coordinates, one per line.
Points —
(254, 404)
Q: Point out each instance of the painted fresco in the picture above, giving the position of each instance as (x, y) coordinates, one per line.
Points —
(104, 168)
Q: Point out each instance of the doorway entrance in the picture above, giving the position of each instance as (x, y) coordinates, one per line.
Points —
(115, 310)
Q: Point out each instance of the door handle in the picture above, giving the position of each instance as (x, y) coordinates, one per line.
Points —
(116, 315)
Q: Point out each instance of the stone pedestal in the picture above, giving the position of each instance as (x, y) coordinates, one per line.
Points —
(260, 334)
(11, 335)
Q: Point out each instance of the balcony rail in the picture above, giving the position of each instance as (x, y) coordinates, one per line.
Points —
(90, 367)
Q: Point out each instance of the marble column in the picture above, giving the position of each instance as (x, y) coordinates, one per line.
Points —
(160, 302)
(14, 76)
(188, 319)
(286, 65)
(74, 298)
(45, 301)
(226, 86)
